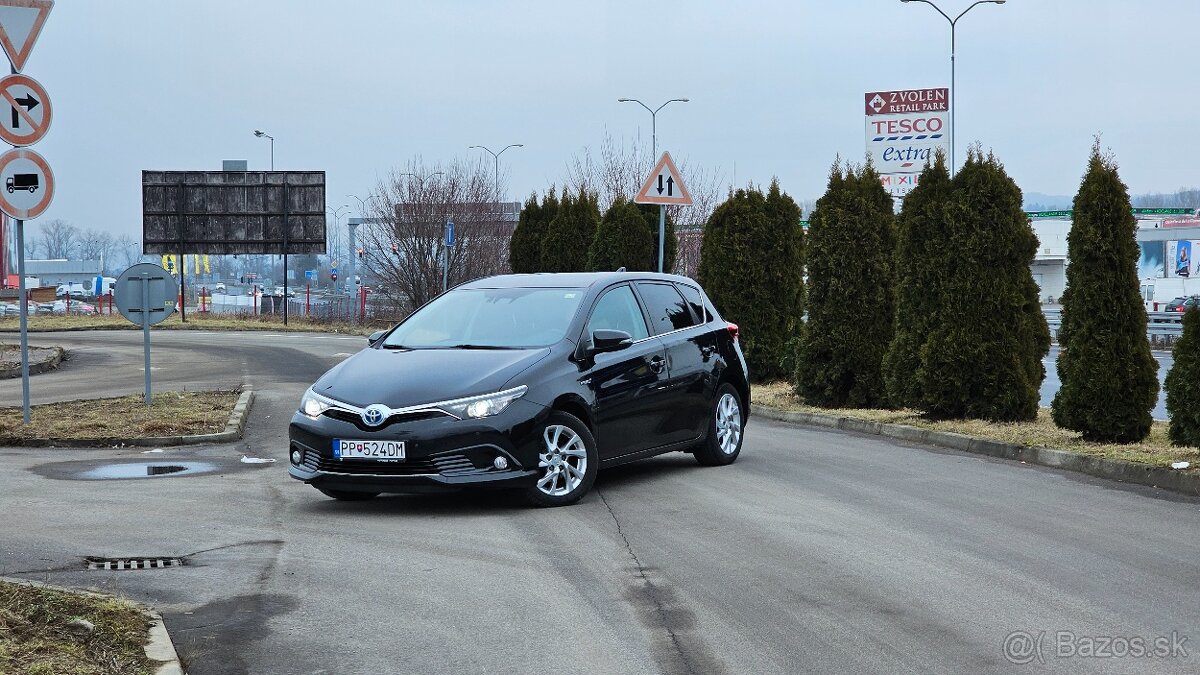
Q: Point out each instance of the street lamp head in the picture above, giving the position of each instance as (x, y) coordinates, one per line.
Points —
(261, 134)
(627, 100)
(685, 100)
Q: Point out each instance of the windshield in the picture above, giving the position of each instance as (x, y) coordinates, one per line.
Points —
(496, 318)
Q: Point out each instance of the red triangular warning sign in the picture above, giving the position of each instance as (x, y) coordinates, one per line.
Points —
(665, 185)
(20, 24)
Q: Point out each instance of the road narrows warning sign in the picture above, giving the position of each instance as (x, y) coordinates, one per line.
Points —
(28, 184)
(21, 22)
(664, 186)
(29, 110)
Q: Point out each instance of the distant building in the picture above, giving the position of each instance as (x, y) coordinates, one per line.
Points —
(57, 272)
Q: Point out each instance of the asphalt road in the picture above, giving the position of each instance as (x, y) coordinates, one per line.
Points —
(817, 551)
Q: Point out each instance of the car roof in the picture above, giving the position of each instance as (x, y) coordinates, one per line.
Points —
(569, 279)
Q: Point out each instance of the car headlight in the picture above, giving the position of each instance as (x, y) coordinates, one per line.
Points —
(483, 406)
(314, 405)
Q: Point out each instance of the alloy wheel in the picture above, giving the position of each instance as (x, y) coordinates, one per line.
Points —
(564, 461)
(729, 424)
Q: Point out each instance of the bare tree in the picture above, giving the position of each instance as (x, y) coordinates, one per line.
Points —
(618, 170)
(56, 237)
(403, 236)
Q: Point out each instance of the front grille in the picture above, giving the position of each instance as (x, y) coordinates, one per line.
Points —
(447, 464)
(394, 419)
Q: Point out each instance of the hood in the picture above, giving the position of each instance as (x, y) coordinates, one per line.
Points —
(400, 378)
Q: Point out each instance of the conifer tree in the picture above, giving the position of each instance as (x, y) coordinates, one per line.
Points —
(851, 240)
(1109, 378)
(525, 246)
(570, 233)
(752, 266)
(922, 258)
(1183, 384)
(983, 356)
(622, 240)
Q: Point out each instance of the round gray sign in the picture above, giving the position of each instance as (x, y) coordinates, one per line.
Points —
(146, 290)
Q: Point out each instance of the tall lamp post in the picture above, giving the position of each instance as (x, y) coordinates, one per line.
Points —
(953, 94)
(653, 121)
(496, 156)
(337, 213)
(262, 134)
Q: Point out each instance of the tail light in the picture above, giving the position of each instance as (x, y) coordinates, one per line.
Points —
(733, 331)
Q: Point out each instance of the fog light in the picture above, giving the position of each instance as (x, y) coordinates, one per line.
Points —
(500, 463)
(296, 457)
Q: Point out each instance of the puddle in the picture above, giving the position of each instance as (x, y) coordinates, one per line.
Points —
(145, 470)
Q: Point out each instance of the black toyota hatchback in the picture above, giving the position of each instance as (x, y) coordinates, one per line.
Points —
(528, 381)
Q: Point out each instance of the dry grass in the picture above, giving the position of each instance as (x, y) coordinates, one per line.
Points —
(45, 322)
(34, 639)
(1156, 449)
(170, 414)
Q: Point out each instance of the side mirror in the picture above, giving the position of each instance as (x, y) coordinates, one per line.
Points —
(374, 337)
(605, 340)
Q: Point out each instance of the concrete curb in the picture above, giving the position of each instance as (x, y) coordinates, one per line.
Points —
(160, 648)
(1185, 482)
(234, 429)
(51, 363)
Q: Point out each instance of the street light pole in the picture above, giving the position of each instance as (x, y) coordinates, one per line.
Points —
(337, 213)
(953, 93)
(653, 121)
(496, 156)
(262, 134)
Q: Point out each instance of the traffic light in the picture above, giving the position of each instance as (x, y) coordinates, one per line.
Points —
(360, 253)
(395, 248)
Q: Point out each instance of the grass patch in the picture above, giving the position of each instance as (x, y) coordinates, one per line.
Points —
(1156, 449)
(171, 413)
(195, 321)
(34, 639)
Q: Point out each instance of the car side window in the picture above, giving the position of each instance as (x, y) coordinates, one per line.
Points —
(694, 300)
(668, 310)
(618, 309)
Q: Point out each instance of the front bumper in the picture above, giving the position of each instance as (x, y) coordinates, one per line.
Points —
(441, 452)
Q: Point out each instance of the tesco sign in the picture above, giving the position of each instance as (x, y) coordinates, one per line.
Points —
(903, 143)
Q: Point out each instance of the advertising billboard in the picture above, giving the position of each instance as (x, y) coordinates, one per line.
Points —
(903, 130)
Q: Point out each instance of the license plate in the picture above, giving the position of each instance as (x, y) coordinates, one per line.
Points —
(347, 448)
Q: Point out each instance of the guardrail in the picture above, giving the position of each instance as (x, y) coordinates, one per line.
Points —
(1160, 327)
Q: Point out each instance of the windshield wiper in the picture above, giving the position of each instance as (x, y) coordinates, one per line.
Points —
(395, 346)
(471, 346)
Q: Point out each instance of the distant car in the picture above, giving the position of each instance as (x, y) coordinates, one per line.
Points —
(7, 309)
(1183, 304)
(219, 288)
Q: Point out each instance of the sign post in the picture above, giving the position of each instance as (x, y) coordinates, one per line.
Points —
(21, 22)
(145, 295)
(664, 187)
(446, 255)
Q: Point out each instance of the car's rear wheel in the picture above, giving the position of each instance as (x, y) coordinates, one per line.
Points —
(567, 462)
(348, 495)
(724, 442)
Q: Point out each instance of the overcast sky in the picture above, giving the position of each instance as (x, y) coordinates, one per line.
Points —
(358, 88)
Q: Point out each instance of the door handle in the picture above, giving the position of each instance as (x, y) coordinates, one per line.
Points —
(658, 364)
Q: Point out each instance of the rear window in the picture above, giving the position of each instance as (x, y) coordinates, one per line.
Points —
(695, 301)
(668, 310)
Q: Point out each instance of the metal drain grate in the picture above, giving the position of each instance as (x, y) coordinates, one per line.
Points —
(132, 563)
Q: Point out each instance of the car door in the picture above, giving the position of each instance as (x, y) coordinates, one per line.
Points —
(628, 386)
(689, 354)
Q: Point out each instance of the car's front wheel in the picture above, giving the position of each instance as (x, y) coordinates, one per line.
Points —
(567, 462)
(724, 442)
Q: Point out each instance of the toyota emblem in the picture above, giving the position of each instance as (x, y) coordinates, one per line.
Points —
(374, 415)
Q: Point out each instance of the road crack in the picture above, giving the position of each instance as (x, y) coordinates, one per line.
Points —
(653, 592)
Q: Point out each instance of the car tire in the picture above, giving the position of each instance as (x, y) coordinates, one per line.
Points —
(349, 495)
(565, 443)
(726, 426)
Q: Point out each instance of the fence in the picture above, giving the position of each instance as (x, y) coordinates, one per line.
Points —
(1162, 328)
(365, 307)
